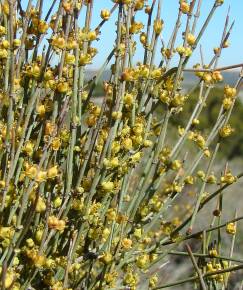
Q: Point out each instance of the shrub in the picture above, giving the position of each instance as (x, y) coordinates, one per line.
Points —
(86, 189)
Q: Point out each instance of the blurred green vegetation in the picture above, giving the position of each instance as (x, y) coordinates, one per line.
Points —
(232, 147)
(99, 90)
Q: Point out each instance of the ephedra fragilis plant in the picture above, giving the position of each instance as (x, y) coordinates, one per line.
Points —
(86, 189)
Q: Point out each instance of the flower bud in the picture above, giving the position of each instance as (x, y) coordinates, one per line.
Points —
(219, 2)
(52, 172)
(158, 26)
(5, 44)
(2, 30)
(107, 186)
(106, 258)
(143, 38)
(17, 43)
(191, 39)
(226, 131)
(231, 228)
(70, 58)
(139, 4)
(127, 144)
(126, 243)
(184, 7)
(105, 14)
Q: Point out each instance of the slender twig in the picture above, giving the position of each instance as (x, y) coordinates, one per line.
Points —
(240, 65)
(195, 278)
(203, 285)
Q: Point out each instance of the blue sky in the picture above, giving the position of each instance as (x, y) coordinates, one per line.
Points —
(231, 55)
(211, 39)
